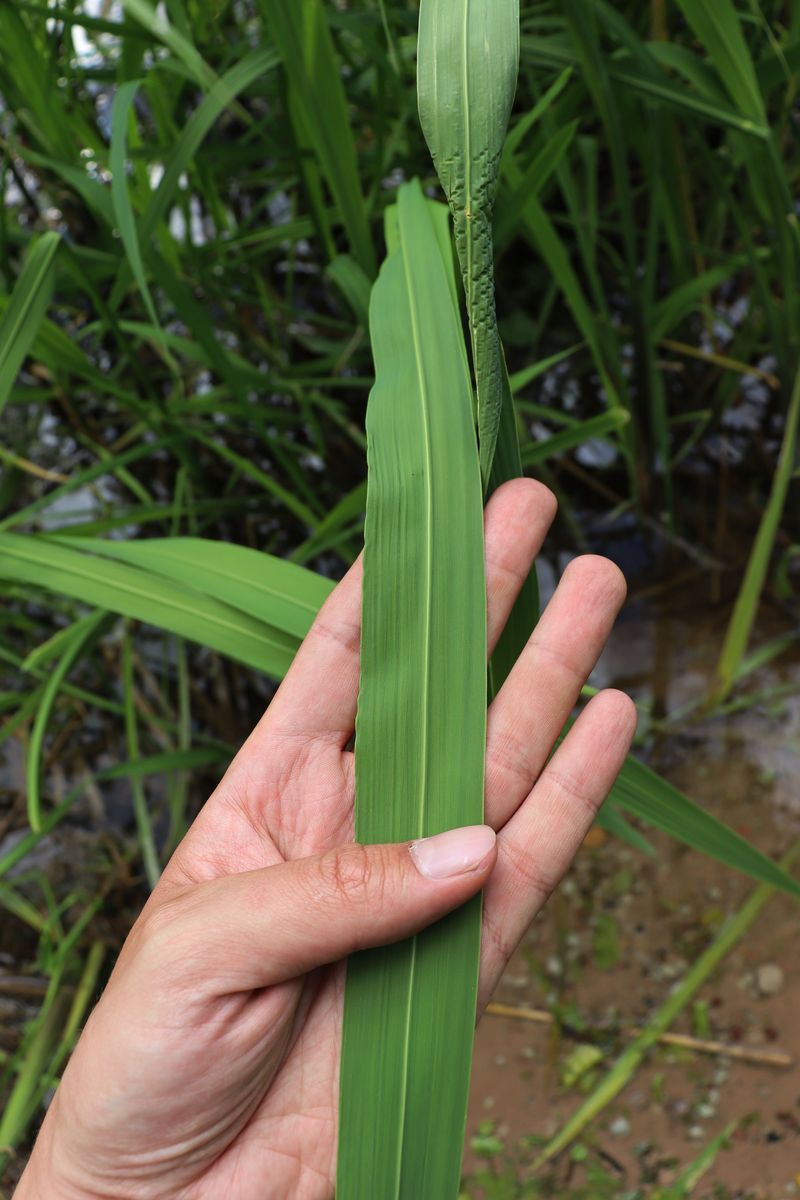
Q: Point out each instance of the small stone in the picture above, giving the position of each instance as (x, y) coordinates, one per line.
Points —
(554, 965)
(704, 1111)
(696, 1132)
(619, 1127)
(500, 1060)
(488, 1102)
(769, 979)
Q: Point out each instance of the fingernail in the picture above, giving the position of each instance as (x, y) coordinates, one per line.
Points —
(456, 852)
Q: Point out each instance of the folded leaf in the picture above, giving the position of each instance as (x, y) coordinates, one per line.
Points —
(468, 56)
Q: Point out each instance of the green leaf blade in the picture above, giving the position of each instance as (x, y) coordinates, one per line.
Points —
(421, 727)
(26, 309)
(144, 596)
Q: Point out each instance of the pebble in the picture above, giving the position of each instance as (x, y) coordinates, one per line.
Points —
(696, 1132)
(619, 1127)
(769, 979)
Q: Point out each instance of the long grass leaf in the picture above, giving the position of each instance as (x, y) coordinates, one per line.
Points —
(640, 791)
(300, 28)
(267, 588)
(26, 309)
(745, 608)
(123, 209)
(156, 24)
(410, 1008)
(717, 25)
(78, 635)
(147, 597)
(234, 81)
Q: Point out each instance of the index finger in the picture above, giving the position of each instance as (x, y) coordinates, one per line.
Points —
(317, 699)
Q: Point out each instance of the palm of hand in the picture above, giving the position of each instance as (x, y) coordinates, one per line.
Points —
(237, 1090)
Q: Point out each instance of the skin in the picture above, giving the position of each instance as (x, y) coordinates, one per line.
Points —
(209, 1067)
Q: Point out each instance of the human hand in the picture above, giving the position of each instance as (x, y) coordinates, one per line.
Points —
(209, 1067)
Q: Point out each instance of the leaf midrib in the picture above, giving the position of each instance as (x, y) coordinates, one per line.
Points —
(426, 639)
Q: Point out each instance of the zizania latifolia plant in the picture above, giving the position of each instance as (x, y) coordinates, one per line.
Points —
(197, 198)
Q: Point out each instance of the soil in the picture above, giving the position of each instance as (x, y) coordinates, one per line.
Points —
(624, 928)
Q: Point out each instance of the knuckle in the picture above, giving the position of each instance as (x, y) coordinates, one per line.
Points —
(501, 946)
(348, 873)
(507, 754)
(528, 872)
(578, 788)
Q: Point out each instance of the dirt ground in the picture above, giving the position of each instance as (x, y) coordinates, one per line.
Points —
(624, 928)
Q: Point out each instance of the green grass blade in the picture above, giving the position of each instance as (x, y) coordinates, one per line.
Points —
(300, 28)
(157, 25)
(468, 57)
(640, 791)
(575, 435)
(26, 309)
(656, 85)
(226, 89)
(78, 635)
(123, 209)
(612, 821)
(716, 23)
(410, 1008)
(147, 597)
(744, 611)
(267, 588)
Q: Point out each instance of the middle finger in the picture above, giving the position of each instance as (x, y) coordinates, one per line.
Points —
(531, 708)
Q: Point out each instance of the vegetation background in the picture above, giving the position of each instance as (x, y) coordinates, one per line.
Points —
(192, 217)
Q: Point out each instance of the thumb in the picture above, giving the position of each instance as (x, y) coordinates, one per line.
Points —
(264, 927)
